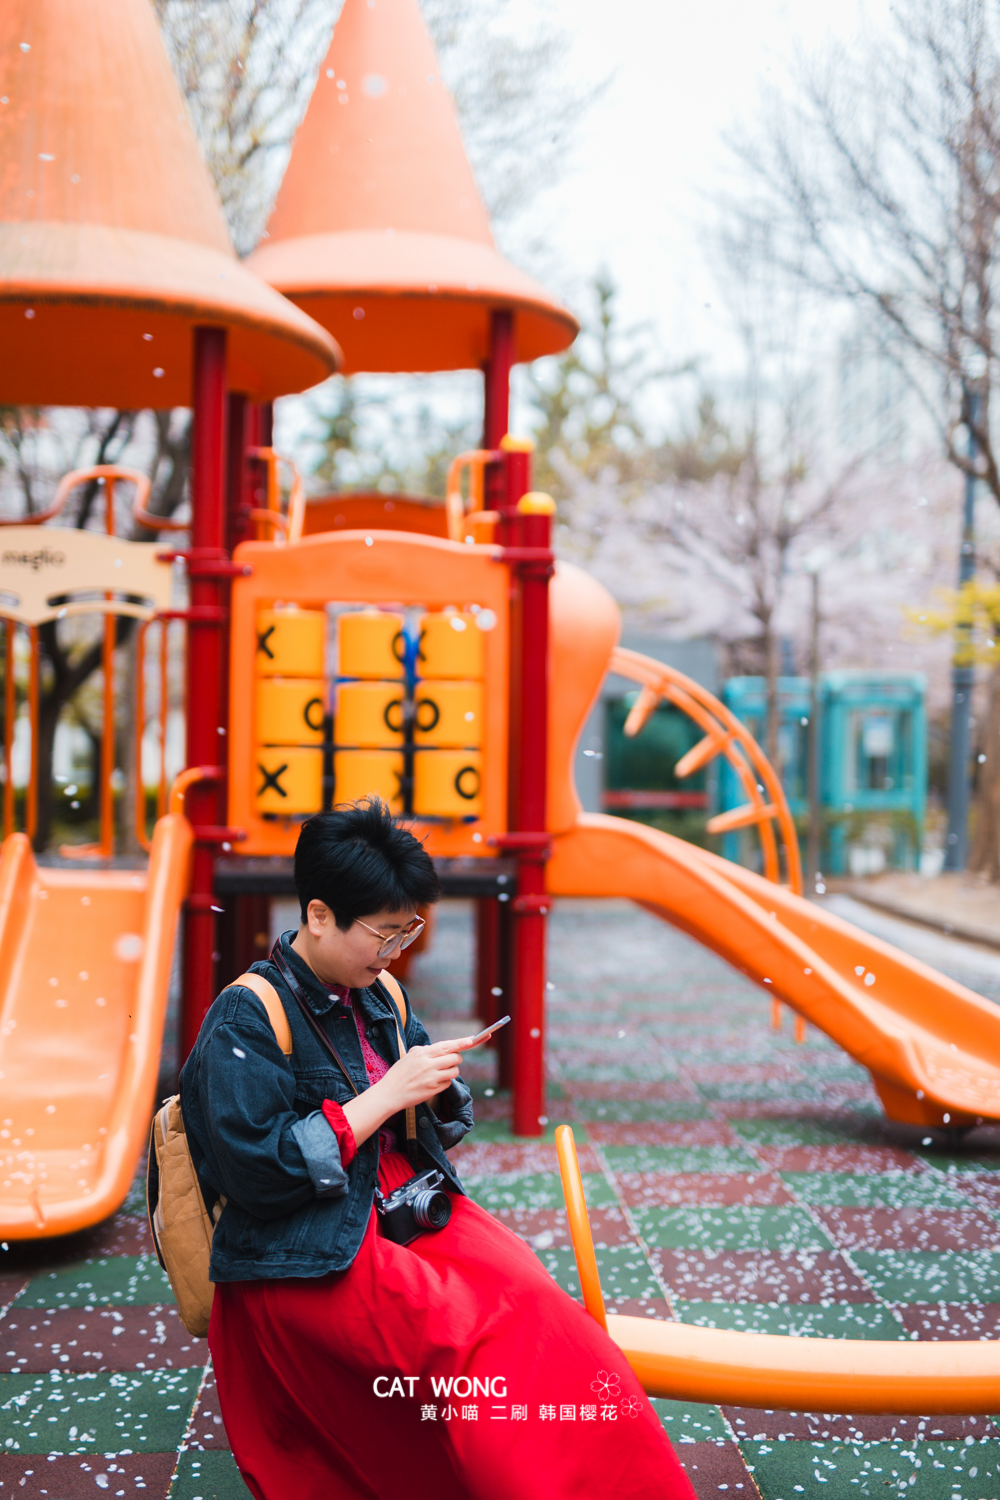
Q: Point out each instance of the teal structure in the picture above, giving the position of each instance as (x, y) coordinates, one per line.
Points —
(872, 760)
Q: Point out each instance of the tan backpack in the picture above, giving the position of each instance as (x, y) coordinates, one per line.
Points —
(181, 1226)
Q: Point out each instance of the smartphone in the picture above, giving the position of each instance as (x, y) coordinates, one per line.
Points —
(495, 1026)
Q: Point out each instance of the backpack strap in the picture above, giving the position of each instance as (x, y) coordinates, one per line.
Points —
(271, 1001)
(397, 999)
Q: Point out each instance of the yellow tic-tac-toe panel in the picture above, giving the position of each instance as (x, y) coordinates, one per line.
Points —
(451, 645)
(447, 783)
(367, 773)
(369, 714)
(448, 714)
(289, 710)
(371, 644)
(291, 642)
(288, 780)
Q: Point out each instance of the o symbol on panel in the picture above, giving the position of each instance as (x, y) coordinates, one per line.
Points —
(387, 711)
(307, 713)
(461, 777)
(435, 711)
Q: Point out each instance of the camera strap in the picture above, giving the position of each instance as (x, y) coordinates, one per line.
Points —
(411, 1115)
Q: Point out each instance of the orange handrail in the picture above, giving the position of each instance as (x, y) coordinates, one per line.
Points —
(475, 461)
(291, 522)
(69, 482)
(776, 1371)
(187, 779)
(726, 735)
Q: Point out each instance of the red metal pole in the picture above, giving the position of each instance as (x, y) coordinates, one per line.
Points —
(206, 707)
(493, 963)
(529, 837)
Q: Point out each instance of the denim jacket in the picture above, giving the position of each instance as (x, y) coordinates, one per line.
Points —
(259, 1138)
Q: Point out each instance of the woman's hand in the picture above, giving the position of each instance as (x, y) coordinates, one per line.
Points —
(417, 1076)
(421, 1073)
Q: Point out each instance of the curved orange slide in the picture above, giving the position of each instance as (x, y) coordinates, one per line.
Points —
(931, 1045)
(85, 959)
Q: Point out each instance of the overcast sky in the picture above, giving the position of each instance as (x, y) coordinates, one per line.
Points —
(650, 149)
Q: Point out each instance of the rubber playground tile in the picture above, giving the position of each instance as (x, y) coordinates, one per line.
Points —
(499, 1132)
(934, 1470)
(119, 1279)
(480, 1160)
(841, 1320)
(922, 1276)
(662, 1133)
(642, 1189)
(757, 1276)
(715, 1467)
(644, 1307)
(779, 1426)
(626, 1111)
(77, 1340)
(86, 1477)
(207, 1476)
(136, 1411)
(10, 1288)
(952, 1320)
(958, 1164)
(731, 1227)
(893, 1190)
(624, 1272)
(857, 1097)
(550, 1226)
(206, 1431)
(533, 1191)
(687, 1159)
(982, 1190)
(121, 1235)
(747, 1074)
(690, 1422)
(911, 1228)
(793, 1130)
(584, 1091)
(848, 1158)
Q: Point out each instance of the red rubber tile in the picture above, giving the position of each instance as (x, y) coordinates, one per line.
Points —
(712, 1467)
(839, 1158)
(10, 1286)
(747, 1422)
(206, 1432)
(608, 1225)
(951, 1320)
(637, 1307)
(86, 1476)
(760, 1276)
(487, 1157)
(33, 1341)
(834, 1095)
(122, 1235)
(669, 1089)
(983, 1189)
(640, 1189)
(911, 1228)
(661, 1133)
(779, 1072)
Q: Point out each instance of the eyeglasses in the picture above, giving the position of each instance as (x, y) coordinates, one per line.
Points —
(399, 940)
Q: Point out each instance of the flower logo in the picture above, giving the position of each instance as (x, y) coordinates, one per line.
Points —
(631, 1406)
(606, 1385)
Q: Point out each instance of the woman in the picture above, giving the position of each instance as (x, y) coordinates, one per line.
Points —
(349, 1365)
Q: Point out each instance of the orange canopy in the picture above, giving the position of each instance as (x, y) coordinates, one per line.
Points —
(112, 241)
(378, 230)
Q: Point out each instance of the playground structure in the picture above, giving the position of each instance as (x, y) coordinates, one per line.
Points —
(446, 663)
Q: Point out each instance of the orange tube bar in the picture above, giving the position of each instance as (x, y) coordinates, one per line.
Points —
(161, 796)
(579, 1224)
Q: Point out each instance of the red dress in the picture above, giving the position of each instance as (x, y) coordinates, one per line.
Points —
(452, 1368)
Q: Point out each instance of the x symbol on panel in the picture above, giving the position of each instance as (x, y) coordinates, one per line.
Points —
(272, 780)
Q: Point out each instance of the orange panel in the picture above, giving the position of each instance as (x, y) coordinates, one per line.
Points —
(395, 570)
(354, 512)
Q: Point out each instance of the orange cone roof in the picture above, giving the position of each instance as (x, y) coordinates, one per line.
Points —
(112, 241)
(378, 230)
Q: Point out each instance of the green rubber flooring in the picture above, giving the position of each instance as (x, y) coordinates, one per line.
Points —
(735, 1180)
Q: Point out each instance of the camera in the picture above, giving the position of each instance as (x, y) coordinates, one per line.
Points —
(417, 1206)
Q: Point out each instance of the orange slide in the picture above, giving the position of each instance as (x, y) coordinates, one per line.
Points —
(85, 960)
(931, 1046)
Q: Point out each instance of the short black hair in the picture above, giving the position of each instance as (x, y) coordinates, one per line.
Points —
(358, 860)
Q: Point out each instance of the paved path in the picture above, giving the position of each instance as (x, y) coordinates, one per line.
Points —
(735, 1179)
